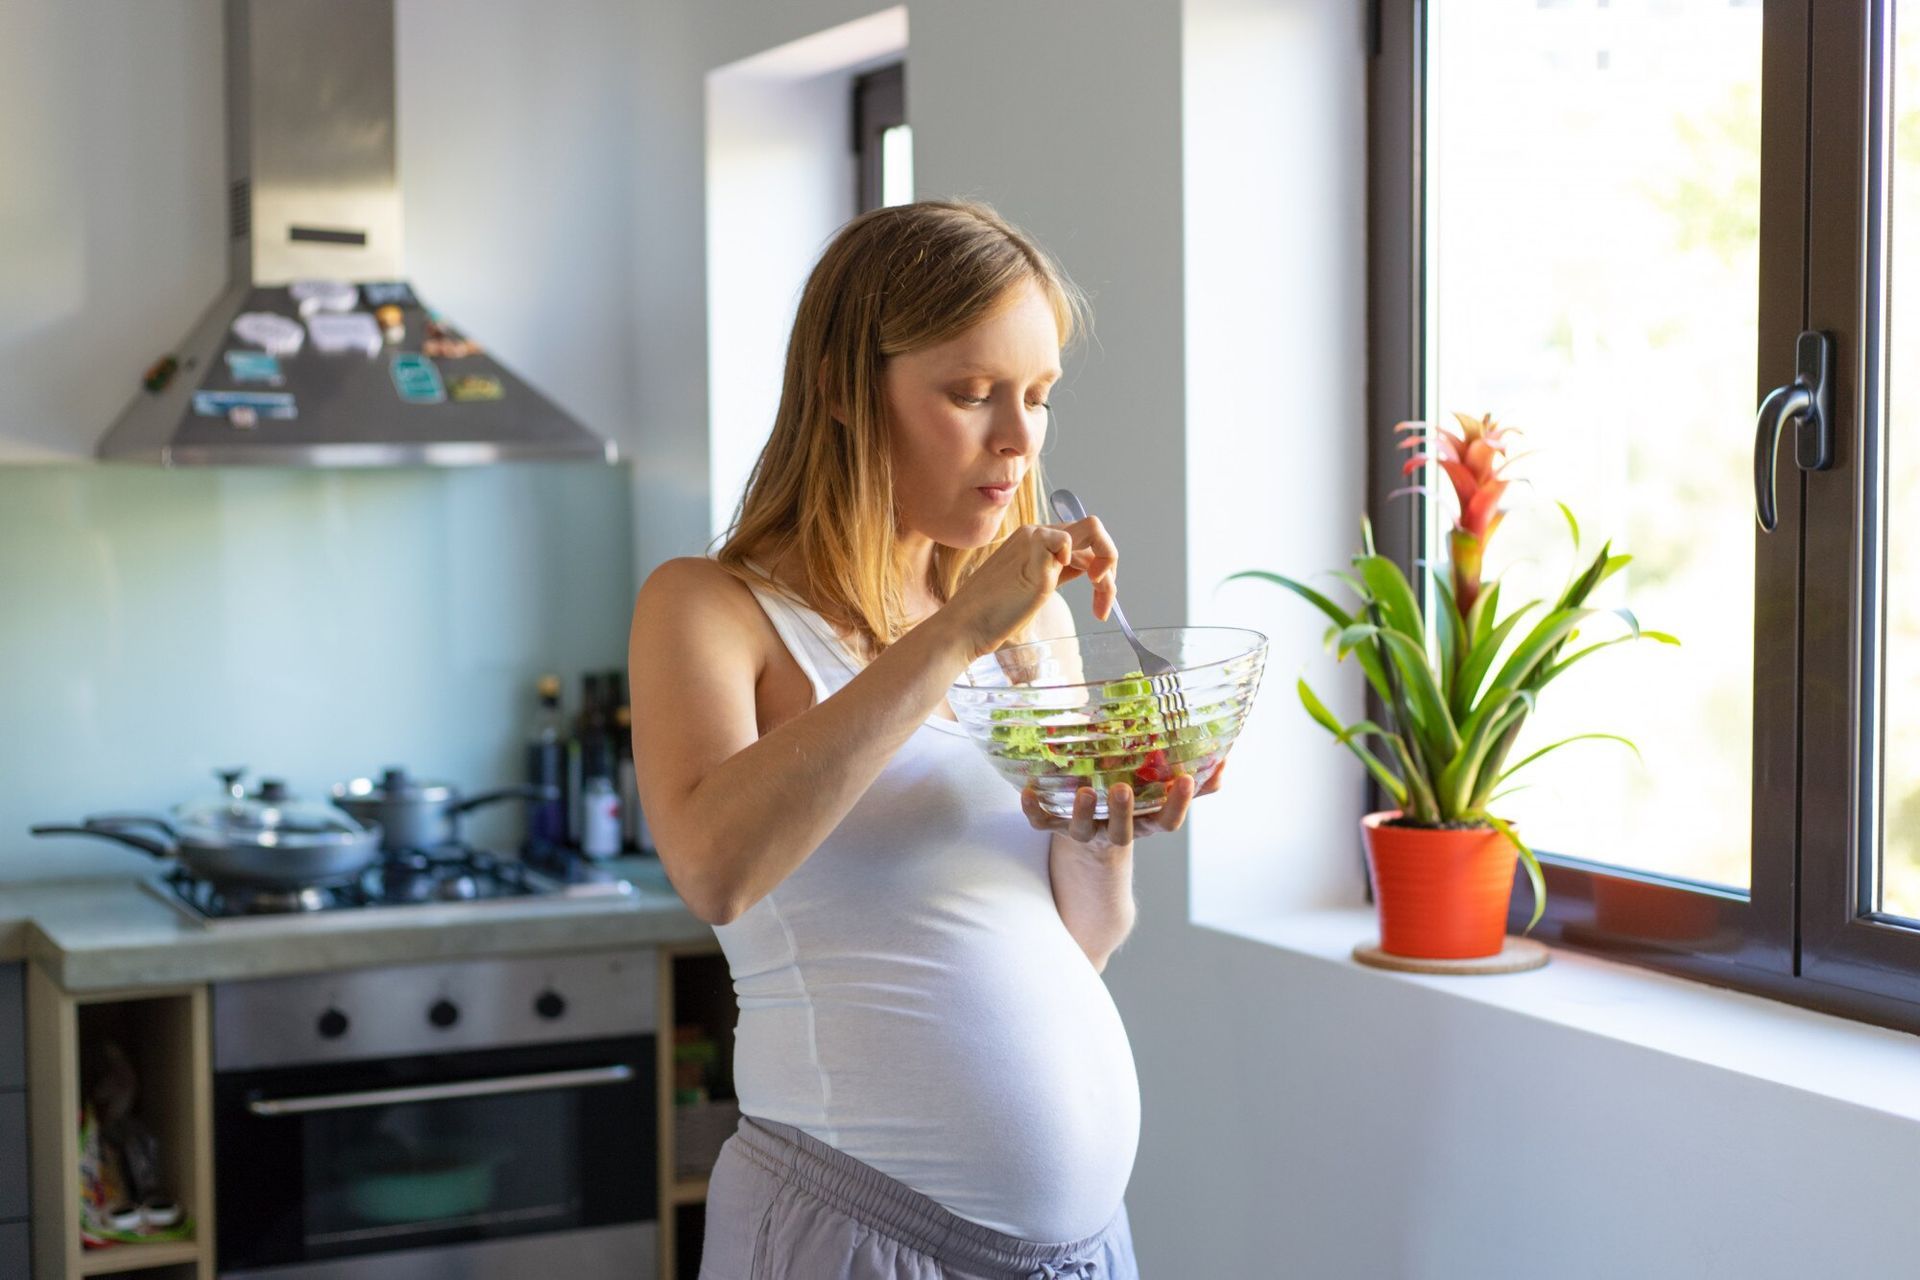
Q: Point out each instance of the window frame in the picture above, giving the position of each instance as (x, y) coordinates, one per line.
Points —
(1796, 935)
(1844, 942)
(879, 104)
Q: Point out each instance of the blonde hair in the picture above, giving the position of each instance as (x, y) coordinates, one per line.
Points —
(893, 281)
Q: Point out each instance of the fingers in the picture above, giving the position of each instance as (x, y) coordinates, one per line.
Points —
(1213, 782)
(1173, 811)
(1057, 543)
(1037, 816)
(1119, 815)
(1093, 553)
(1080, 828)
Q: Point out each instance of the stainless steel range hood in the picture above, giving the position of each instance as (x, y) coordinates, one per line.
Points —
(313, 195)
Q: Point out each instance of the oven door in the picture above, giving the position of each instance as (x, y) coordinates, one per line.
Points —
(434, 1155)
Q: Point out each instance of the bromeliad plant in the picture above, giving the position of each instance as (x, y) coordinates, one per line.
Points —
(1457, 686)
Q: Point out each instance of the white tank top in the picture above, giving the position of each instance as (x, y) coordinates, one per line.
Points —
(909, 994)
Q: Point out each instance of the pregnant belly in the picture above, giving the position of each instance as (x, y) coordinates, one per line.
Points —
(1000, 1085)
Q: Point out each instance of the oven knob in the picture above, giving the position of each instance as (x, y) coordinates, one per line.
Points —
(444, 1013)
(549, 1005)
(332, 1024)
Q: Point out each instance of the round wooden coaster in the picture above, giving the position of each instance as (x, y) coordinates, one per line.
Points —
(1517, 956)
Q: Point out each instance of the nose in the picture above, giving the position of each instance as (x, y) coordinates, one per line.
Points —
(1018, 430)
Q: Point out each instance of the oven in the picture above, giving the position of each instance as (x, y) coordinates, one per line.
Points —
(476, 1120)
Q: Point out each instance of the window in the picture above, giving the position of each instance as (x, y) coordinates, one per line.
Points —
(882, 138)
(1609, 225)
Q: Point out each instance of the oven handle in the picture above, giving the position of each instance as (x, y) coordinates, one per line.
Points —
(586, 1077)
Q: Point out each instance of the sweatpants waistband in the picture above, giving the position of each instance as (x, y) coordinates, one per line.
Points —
(887, 1205)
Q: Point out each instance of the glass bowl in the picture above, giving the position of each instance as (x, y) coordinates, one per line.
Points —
(1076, 712)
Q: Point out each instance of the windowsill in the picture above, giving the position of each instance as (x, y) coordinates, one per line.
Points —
(1832, 1057)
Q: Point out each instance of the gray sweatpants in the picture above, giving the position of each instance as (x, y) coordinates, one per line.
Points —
(782, 1205)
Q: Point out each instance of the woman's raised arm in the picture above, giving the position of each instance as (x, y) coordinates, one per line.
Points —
(733, 813)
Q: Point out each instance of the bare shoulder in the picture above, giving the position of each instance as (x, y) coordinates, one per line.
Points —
(694, 583)
(693, 600)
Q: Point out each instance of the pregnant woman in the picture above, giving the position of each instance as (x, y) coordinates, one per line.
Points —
(933, 1079)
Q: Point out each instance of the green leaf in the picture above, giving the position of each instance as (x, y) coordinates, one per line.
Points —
(1423, 807)
(1532, 863)
(1339, 616)
(1466, 687)
(1345, 736)
(1506, 732)
(1604, 566)
(1485, 611)
(1532, 651)
(1390, 590)
(1359, 588)
(1553, 672)
(1458, 782)
(1453, 639)
(1427, 710)
(1572, 524)
(1555, 746)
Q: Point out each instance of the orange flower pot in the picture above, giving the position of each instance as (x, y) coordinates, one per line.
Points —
(1441, 894)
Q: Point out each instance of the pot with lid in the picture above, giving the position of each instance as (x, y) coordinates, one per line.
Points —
(420, 815)
(265, 840)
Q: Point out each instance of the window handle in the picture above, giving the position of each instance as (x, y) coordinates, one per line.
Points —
(1809, 399)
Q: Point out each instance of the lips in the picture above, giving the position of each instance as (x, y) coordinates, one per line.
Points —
(998, 493)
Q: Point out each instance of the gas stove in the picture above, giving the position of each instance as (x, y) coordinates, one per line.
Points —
(451, 877)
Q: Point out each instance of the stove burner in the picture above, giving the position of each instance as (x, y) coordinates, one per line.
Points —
(454, 873)
(271, 901)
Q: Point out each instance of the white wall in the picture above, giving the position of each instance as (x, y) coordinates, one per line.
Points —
(778, 124)
(1301, 1118)
(516, 133)
(1273, 108)
(515, 128)
(112, 208)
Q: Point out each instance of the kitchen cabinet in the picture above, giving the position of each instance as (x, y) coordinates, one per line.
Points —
(164, 1031)
(14, 1253)
(696, 999)
(13, 1123)
(13, 1030)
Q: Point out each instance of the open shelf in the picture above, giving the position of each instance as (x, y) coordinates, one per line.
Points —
(136, 1257)
(696, 990)
(164, 1035)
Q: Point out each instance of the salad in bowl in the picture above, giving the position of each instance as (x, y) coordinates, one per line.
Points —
(1075, 711)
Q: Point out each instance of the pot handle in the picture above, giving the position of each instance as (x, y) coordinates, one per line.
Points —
(145, 844)
(115, 821)
(530, 791)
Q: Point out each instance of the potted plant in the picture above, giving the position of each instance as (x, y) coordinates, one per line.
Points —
(1457, 683)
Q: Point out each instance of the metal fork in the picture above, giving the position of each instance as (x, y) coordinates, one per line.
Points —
(1161, 674)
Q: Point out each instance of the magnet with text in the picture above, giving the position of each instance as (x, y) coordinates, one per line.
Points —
(258, 404)
(475, 386)
(254, 366)
(416, 379)
(383, 293)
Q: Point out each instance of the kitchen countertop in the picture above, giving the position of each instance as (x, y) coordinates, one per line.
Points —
(113, 934)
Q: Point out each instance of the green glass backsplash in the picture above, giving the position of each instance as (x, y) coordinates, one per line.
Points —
(312, 625)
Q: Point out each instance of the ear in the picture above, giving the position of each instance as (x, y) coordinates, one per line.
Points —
(837, 412)
(836, 409)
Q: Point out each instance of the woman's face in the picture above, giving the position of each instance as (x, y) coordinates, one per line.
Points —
(967, 418)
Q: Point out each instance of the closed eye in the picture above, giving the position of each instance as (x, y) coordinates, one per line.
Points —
(974, 402)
